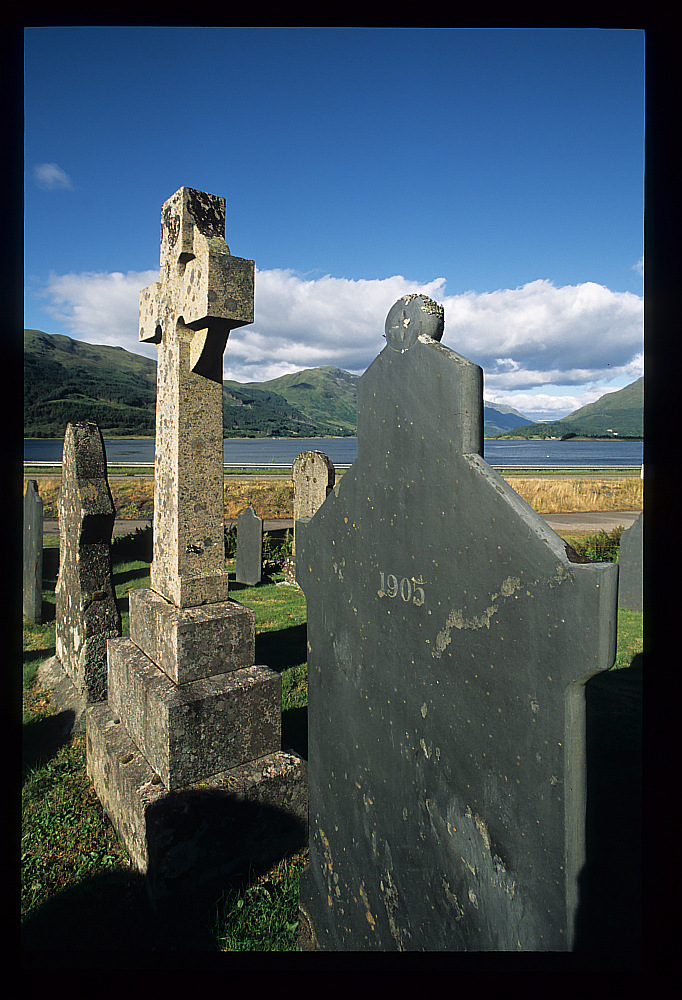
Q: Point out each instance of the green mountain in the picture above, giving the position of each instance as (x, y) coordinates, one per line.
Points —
(326, 395)
(67, 380)
(498, 418)
(258, 410)
(615, 414)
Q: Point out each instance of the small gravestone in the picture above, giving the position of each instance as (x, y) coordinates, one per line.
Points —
(249, 548)
(313, 475)
(33, 553)
(450, 636)
(631, 567)
(86, 613)
(186, 757)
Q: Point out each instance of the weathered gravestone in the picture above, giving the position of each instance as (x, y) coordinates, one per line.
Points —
(450, 637)
(86, 613)
(631, 567)
(313, 476)
(249, 566)
(187, 757)
(33, 553)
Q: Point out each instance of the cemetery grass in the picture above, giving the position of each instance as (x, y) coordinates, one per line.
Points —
(78, 888)
(77, 882)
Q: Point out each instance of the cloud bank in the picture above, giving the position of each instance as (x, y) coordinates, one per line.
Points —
(543, 349)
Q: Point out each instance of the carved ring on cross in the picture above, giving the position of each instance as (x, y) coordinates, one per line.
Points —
(413, 316)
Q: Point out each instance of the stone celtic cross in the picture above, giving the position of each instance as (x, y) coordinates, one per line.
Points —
(202, 293)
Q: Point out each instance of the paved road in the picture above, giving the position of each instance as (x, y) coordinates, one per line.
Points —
(600, 520)
(605, 520)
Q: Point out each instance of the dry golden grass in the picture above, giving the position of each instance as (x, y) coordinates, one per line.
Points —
(272, 499)
(269, 499)
(134, 498)
(575, 495)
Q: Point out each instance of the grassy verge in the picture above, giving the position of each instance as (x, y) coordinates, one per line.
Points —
(275, 499)
(576, 494)
(79, 889)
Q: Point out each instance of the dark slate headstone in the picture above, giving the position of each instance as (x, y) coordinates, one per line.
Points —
(631, 567)
(86, 613)
(450, 636)
(33, 553)
(249, 547)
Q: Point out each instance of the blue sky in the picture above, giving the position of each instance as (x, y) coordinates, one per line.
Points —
(499, 171)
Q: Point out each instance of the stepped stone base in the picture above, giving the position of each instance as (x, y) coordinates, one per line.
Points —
(191, 643)
(189, 731)
(205, 832)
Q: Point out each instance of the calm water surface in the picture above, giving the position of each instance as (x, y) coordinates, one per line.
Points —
(343, 451)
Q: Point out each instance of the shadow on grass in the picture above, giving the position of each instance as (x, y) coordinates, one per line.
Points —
(43, 737)
(128, 575)
(610, 907)
(50, 564)
(110, 912)
(36, 656)
(47, 612)
(295, 730)
(287, 647)
(137, 546)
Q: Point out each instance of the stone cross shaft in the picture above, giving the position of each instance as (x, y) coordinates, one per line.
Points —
(202, 293)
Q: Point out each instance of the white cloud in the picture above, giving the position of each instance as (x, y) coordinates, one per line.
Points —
(539, 334)
(639, 266)
(529, 340)
(545, 406)
(100, 308)
(50, 177)
(307, 323)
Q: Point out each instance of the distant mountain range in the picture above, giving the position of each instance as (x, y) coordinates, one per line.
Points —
(615, 414)
(498, 418)
(68, 380)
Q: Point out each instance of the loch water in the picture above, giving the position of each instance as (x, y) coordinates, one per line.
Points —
(343, 451)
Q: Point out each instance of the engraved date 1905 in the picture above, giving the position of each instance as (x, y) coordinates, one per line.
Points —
(410, 589)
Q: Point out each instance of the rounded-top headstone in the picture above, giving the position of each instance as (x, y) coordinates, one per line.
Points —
(413, 316)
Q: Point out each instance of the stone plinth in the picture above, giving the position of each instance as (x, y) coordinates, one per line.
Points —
(191, 731)
(181, 840)
(191, 643)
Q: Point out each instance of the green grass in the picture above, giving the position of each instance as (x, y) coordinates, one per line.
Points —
(77, 882)
(630, 640)
(264, 916)
(600, 546)
(73, 865)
